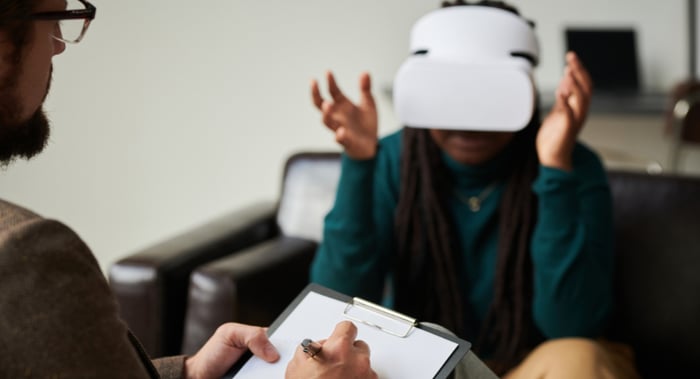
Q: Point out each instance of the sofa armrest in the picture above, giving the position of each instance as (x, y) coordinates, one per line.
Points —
(657, 286)
(151, 284)
(252, 287)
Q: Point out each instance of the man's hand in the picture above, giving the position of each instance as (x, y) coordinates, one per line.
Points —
(225, 347)
(341, 357)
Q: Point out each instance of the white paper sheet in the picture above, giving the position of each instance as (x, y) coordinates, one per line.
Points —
(420, 355)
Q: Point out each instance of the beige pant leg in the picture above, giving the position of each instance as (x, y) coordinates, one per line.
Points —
(577, 358)
(471, 367)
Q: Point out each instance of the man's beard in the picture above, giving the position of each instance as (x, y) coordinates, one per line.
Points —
(24, 140)
(19, 139)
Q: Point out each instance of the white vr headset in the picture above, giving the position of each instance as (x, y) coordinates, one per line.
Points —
(470, 69)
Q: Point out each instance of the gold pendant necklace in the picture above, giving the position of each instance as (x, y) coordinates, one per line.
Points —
(474, 202)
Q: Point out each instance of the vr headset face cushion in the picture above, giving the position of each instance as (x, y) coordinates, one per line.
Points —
(471, 70)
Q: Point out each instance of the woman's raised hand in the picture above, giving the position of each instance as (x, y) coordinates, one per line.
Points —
(354, 125)
(559, 131)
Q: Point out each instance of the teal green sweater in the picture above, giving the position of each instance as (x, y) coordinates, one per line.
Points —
(571, 246)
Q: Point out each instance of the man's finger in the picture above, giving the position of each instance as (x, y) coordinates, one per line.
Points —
(344, 331)
(254, 338)
(362, 346)
(261, 346)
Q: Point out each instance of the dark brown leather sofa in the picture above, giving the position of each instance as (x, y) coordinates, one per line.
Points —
(268, 247)
(657, 284)
(249, 264)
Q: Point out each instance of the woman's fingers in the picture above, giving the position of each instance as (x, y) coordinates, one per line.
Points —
(333, 88)
(316, 95)
(366, 98)
(580, 73)
(354, 124)
(333, 112)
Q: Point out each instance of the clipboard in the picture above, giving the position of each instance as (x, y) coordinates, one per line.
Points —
(400, 346)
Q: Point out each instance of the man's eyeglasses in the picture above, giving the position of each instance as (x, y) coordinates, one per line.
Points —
(72, 23)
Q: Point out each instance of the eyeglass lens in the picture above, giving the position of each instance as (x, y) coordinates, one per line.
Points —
(71, 30)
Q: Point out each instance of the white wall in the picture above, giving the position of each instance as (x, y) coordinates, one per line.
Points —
(171, 112)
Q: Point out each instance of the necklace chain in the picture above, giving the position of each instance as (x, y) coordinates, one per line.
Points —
(474, 202)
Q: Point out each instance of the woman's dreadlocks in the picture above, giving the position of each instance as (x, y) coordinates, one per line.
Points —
(426, 274)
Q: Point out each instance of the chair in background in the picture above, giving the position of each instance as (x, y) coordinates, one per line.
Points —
(151, 285)
(683, 119)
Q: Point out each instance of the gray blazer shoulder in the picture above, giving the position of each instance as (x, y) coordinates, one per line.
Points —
(11, 214)
(58, 317)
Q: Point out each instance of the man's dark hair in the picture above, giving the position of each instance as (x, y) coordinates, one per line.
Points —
(15, 24)
(426, 270)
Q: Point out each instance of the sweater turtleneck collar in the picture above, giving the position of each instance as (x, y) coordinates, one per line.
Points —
(478, 175)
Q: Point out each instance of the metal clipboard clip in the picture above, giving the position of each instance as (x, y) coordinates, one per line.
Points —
(376, 316)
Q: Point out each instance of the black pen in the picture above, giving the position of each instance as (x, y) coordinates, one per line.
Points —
(310, 347)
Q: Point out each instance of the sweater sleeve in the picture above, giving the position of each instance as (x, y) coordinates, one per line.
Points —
(572, 249)
(170, 367)
(358, 231)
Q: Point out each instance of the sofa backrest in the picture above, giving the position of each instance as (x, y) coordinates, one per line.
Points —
(657, 283)
(308, 192)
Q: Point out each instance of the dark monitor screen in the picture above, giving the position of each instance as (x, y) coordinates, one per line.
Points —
(610, 55)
